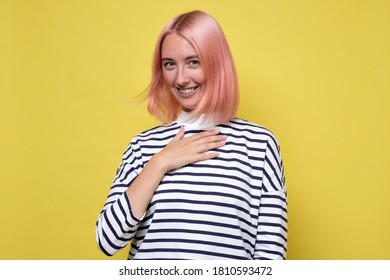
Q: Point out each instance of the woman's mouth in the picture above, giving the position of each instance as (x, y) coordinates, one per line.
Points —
(187, 90)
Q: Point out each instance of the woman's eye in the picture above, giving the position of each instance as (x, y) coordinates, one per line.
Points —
(169, 65)
(193, 62)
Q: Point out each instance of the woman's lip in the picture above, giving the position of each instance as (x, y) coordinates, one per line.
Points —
(193, 89)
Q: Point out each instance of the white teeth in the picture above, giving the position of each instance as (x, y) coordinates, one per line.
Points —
(187, 91)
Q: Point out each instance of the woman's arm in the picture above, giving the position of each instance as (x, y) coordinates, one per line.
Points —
(272, 222)
(126, 204)
(179, 152)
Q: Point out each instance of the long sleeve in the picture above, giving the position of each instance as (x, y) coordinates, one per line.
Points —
(271, 242)
(116, 224)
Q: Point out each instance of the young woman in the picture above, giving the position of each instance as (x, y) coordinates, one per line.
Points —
(205, 184)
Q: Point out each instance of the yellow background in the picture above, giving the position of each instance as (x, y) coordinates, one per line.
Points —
(315, 72)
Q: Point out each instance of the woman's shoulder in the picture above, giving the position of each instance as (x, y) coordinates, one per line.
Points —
(251, 131)
(158, 131)
(249, 127)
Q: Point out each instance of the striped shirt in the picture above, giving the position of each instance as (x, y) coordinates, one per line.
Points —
(233, 206)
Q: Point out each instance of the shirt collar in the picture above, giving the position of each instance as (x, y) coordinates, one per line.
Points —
(185, 119)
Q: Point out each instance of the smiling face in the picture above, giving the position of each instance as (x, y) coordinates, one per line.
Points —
(182, 71)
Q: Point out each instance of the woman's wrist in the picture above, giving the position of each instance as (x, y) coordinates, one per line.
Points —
(157, 164)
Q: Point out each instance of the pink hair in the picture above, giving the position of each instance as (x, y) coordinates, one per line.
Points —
(220, 99)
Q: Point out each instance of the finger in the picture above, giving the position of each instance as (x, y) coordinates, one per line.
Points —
(198, 138)
(206, 147)
(211, 139)
(209, 132)
(206, 156)
(204, 134)
(180, 134)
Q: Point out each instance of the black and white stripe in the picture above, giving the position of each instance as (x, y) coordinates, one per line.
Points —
(231, 207)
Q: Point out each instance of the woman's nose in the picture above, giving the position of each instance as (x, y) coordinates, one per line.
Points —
(182, 77)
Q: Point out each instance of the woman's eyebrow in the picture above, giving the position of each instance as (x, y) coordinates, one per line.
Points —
(187, 58)
(191, 57)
